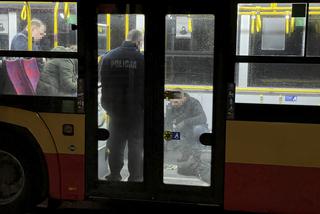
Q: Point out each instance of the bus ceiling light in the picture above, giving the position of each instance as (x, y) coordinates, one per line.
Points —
(61, 15)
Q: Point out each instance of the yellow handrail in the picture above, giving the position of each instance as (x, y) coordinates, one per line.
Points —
(23, 14)
(28, 11)
(272, 13)
(258, 24)
(253, 17)
(287, 23)
(55, 25)
(66, 11)
(278, 90)
(126, 26)
(248, 89)
(189, 23)
(292, 24)
(108, 32)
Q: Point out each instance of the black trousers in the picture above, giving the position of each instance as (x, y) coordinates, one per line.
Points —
(126, 131)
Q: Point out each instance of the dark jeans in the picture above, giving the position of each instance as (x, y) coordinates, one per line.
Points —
(121, 133)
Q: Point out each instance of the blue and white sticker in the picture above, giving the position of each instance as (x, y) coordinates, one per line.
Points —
(175, 135)
(291, 98)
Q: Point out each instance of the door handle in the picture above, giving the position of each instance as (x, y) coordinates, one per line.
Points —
(103, 134)
(206, 139)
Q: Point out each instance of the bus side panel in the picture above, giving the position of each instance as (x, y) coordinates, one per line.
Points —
(71, 150)
(32, 122)
(272, 167)
(54, 175)
(72, 180)
(274, 189)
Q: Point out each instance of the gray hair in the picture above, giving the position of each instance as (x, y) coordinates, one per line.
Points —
(37, 23)
(134, 36)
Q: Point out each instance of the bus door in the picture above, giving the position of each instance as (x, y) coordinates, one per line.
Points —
(158, 80)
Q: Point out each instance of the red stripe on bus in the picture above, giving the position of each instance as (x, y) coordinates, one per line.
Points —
(54, 175)
(72, 179)
(66, 176)
(271, 188)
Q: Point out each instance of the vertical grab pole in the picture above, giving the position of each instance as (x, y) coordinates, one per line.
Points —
(126, 26)
(55, 25)
(108, 32)
(29, 26)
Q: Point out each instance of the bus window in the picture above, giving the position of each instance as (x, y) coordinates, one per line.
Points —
(313, 39)
(120, 96)
(273, 29)
(37, 26)
(278, 29)
(278, 83)
(39, 76)
(189, 95)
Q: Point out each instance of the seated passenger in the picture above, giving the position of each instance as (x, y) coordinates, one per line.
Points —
(59, 77)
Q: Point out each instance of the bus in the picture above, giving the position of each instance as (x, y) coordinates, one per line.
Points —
(252, 65)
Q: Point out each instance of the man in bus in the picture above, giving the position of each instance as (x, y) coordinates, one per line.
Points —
(59, 76)
(20, 40)
(184, 114)
(122, 77)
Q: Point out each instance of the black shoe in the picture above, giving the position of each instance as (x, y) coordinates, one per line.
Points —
(135, 179)
(113, 178)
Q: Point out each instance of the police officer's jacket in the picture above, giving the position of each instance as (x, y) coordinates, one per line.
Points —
(122, 77)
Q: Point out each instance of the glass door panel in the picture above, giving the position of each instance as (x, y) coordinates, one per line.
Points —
(121, 96)
(188, 98)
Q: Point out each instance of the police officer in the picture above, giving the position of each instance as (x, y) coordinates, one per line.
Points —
(122, 77)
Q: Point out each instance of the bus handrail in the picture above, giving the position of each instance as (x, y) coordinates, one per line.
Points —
(246, 89)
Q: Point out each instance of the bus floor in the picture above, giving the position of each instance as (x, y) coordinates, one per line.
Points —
(170, 168)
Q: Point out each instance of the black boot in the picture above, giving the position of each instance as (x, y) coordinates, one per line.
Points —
(111, 177)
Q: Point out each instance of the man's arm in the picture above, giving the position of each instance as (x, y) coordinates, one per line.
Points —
(68, 82)
(19, 43)
(199, 116)
(168, 121)
(103, 71)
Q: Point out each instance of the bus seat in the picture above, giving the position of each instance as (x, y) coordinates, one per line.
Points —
(31, 69)
(18, 77)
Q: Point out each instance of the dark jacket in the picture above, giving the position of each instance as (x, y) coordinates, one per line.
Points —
(59, 77)
(190, 113)
(122, 78)
(20, 42)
